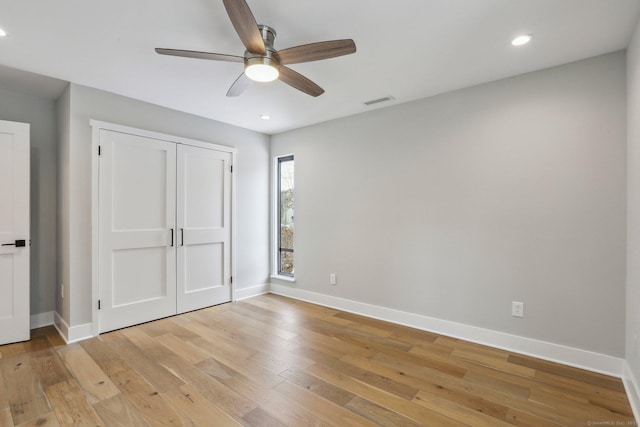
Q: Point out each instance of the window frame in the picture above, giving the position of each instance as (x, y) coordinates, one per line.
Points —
(277, 220)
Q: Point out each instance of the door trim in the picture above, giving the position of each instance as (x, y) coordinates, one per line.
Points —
(96, 126)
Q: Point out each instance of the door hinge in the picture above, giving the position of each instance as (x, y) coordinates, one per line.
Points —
(99, 150)
(99, 305)
(231, 279)
(231, 168)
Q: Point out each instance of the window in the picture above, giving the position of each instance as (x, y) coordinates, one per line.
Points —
(285, 228)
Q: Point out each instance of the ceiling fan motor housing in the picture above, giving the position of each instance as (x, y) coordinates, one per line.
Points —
(269, 36)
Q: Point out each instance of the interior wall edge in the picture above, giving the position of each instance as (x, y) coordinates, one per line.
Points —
(570, 356)
(632, 389)
(71, 334)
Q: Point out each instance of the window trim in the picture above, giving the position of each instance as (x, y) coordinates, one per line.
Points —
(276, 220)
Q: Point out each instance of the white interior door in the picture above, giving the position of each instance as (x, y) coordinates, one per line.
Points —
(14, 232)
(204, 227)
(137, 274)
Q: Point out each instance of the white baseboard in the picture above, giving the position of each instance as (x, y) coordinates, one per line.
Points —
(632, 389)
(41, 319)
(575, 357)
(253, 291)
(72, 334)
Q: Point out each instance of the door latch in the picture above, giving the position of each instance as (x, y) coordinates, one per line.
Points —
(17, 244)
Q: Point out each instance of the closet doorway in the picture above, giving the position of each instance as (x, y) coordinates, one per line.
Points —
(164, 235)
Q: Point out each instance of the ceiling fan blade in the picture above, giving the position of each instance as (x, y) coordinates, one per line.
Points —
(300, 82)
(239, 86)
(245, 25)
(200, 55)
(316, 51)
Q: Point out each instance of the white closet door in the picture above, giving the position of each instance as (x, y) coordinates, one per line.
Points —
(204, 227)
(14, 232)
(137, 273)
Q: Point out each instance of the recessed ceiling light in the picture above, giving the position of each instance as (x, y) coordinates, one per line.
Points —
(3, 33)
(521, 40)
(265, 116)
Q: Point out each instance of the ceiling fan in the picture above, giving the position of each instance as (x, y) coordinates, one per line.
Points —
(262, 62)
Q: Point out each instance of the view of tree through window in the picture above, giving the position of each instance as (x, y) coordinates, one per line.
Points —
(285, 201)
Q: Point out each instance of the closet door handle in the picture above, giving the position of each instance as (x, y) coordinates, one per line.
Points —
(172, 237)
(182, 237)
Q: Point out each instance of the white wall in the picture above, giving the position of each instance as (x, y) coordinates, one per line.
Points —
(633, 213)
(40, 113)
(453, 206)
(252, 181)
(63, 111)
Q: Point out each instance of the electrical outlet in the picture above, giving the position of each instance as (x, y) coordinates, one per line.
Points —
(332, 279)
(517, 309)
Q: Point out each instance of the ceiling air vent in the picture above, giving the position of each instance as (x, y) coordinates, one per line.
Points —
(379, 100)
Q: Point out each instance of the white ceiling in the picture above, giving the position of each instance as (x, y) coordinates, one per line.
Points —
(409, 49)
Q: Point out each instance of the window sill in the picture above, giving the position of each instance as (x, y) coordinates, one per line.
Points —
(284, 278)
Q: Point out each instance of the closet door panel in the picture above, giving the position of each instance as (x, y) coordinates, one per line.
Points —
(204, 223)
(137, 229)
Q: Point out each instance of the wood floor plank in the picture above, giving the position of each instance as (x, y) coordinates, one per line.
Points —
(148, 402)
(322, 409)
(328, 344)
(46, 420)
(12, 350)
(100, 352)
(457, 411)
(167, 326)
(278, 407)
(378, 414)
(94, 381)
(5, 417)
(4, 398)
(271, 361)
(567, 371)
(379, 381)
(193, 409)
(524, 419)
(158, 376)
(218, 393)
(499, 363)
(234, 404)
(71, 406)
(497, 384)
(189, 352)
(245, 366)
(118, 411)
(433, 387)
(322, 388)
(223, 345)
(387, 400)
(577, 410)
(22, 387)
(215, 369)
(49, 367)
(260, 418)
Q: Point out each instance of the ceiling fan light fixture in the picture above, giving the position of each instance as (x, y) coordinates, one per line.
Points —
(261, 69)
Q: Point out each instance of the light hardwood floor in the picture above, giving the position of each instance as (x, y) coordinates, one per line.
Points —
(273, 361)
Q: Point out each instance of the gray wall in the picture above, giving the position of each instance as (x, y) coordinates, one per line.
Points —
(454, 206)
(252, 185)
(633, 201)
(40, 113)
